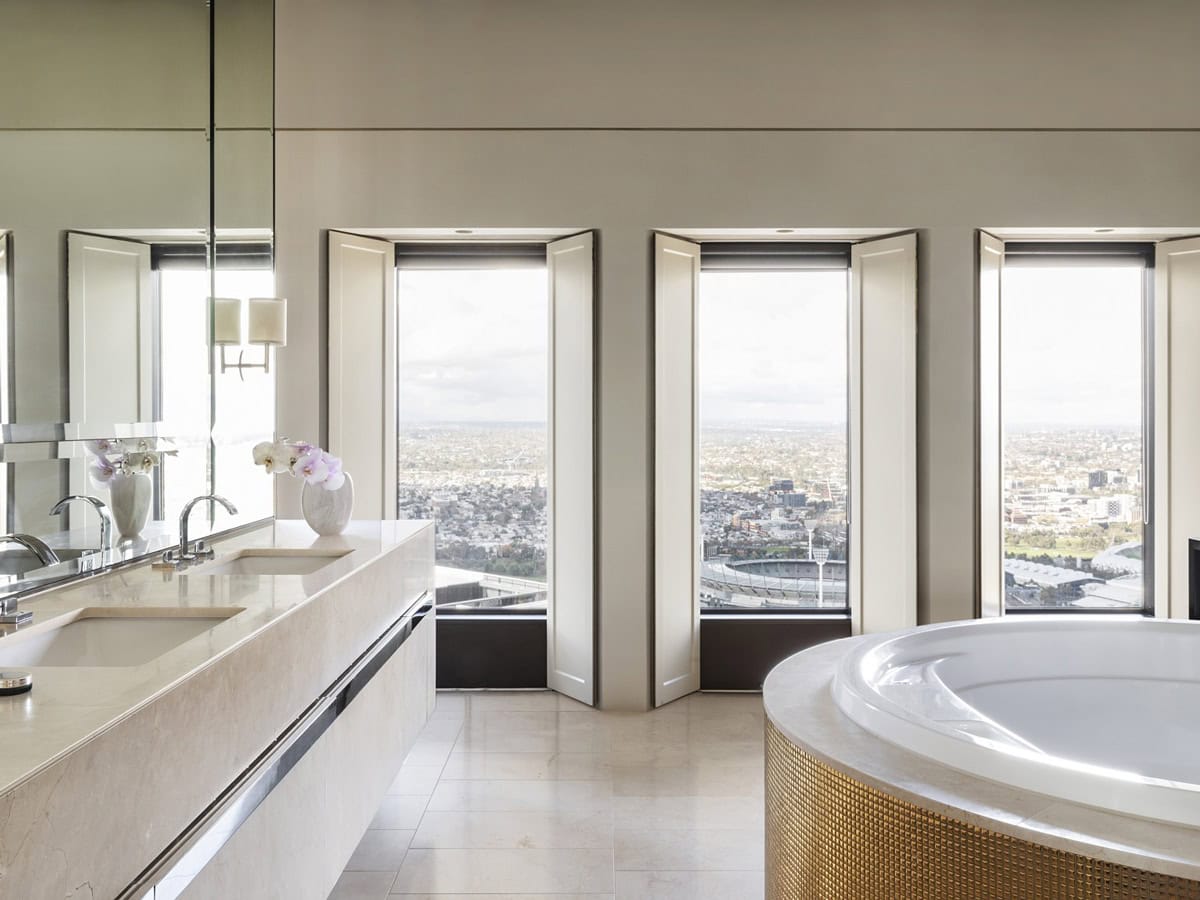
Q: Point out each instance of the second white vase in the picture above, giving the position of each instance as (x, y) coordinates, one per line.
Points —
(328, 512)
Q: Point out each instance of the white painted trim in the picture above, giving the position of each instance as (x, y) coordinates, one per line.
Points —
(362, 368)
(1176, 433)
(83, 283)
(883, 434)
(759, 235)
(991, 429)
(570, 560)
(676, 470)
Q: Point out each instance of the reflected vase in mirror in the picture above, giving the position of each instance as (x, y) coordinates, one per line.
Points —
(328, 511)
(129, 499)
(126, 472)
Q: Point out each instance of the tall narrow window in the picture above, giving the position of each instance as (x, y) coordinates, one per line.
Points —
(773, 405)
(1075, 389)
(473, 397)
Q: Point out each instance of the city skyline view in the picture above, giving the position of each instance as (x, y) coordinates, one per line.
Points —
(1073, 483)
(773, 431)
(773, 383)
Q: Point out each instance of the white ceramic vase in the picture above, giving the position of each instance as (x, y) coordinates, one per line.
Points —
(328, 512)
(129, 498)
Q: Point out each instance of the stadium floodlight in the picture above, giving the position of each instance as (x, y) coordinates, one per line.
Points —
(821, 554)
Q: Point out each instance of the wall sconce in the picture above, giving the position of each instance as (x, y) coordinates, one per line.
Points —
(268, 328)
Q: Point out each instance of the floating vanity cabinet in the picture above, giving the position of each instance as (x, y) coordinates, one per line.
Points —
(246, 760)
(296, 843)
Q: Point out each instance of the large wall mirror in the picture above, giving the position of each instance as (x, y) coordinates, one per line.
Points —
(136, 183)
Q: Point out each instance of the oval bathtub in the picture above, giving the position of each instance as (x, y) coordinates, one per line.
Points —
(1099, 711)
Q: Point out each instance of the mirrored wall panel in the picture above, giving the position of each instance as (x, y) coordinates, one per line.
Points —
(136, 169)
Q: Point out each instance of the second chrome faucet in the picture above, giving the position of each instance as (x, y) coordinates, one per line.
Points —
(187, 553)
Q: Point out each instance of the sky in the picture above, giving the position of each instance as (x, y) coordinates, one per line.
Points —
(1072, 346)
(473, 345)
(772, 345)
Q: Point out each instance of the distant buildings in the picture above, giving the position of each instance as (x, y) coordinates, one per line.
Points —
(1111, 509)
(1071, 504)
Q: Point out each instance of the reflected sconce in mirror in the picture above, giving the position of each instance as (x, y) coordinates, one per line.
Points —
(268, 328)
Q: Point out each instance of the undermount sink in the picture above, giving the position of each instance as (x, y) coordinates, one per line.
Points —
(270, 562)
(109, 637)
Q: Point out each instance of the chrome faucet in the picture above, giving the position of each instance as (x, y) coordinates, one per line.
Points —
(34, 545)
(187, 553)
(106, 519)
(9, 614)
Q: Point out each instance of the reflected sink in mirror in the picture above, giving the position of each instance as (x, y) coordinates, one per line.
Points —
(19, 561)
(270, 562)
(109, 637)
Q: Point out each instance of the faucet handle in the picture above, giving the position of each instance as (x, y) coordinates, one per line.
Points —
(173, 559)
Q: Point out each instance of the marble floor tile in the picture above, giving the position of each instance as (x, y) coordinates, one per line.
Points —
(380, 850)
(503, 739)
(442, 730)
(363, 886)
(480, 701)
(689, 885)
(415, 781)
(449, 704)
(688, 812)
(514, 795)
(527, 767)
(700, 778)
(399, 812)
(688, 848)
(429, 753)
(523, 829)
(531, 794)
(506, 871)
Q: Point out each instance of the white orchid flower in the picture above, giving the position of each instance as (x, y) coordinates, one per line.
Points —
(312, 467)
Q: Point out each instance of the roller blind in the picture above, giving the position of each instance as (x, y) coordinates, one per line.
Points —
(194, 256)
(785, 256)
(460, 255)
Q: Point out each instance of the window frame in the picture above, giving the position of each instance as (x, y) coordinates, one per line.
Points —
(1081, 254)
(752, 257)
(452, 256)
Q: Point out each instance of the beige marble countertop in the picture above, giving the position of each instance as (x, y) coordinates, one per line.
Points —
(70, 705)
(799, 701)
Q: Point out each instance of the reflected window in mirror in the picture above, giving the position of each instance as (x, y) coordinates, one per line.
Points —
(244, 398)
(185, 382)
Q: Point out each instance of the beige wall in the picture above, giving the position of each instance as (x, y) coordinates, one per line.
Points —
(697, 84)
(117, 64)
(756, 63)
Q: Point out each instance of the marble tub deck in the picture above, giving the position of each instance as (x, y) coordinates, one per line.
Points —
(520, 795)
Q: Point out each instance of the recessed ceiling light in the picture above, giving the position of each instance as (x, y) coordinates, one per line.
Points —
(1105, 230)
(785, 230)
(464, 231)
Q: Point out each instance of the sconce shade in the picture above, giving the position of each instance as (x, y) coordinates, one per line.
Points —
(226, 320)
(268, 321)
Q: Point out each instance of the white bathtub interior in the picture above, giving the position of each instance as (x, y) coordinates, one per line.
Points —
(1103, 710)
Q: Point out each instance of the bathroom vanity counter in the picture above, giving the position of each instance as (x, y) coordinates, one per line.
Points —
(827, 774)
(218, 661)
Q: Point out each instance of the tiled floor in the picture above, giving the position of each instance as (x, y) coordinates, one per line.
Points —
(531, 794)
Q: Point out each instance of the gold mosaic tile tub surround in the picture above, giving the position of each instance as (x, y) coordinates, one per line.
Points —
(830, 837)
